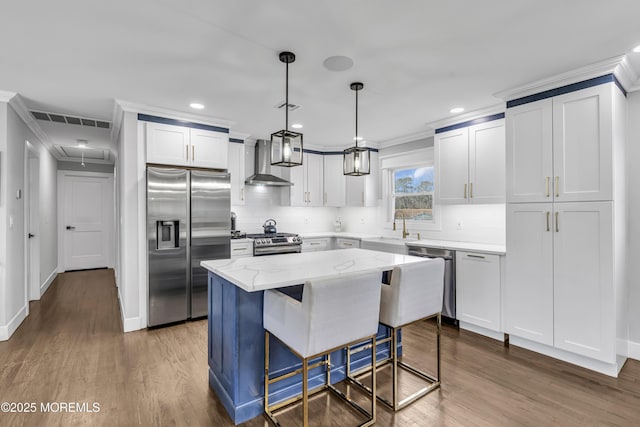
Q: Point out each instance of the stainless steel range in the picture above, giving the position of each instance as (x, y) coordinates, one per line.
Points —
(275, 243)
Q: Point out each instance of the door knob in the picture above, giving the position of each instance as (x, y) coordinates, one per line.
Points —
(70, 227)
(31, 235)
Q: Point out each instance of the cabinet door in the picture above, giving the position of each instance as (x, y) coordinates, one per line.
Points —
(487, 162)
(334, 182)
(452, 166)
(528, 290)
(209, 149)
(529, 152)
(314, 173)
(315, 245)
(298, 191)
(342, 243)
(372, 181)
(582, 144)
(354, 189)
(167, 144)
(583, 280)
(236, 169)
(478, 289)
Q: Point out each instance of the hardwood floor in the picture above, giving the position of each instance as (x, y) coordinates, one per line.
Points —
(71, 349)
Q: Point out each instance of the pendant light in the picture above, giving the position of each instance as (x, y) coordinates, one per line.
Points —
(357, 160)
(286, 145)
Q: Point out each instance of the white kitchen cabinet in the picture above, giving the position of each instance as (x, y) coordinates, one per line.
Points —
(343, 243)
(237, 172)
(561, 148)
(528, 290)
(307, 182)
(167, 144)
(209, 149)
(560, 288)
(184, 146)
(470, 164)
(241, 248)
(334, 181)
(364, 190)
(478, 290)
(583, 279)
(316, 244)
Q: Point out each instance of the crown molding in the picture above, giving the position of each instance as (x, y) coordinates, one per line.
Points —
(627, 75)
(618, 66)
(471, 115)
(127, 106)
(239, 135)
(6, 96)
(18, 105)
(407, 138)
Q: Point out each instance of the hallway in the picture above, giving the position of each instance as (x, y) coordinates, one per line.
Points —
(71, 349)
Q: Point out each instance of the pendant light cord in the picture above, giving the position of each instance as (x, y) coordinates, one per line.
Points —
(286, 99)
(357, 118)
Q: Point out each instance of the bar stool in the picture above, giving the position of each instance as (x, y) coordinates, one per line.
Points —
(333, 314)
(415, 293)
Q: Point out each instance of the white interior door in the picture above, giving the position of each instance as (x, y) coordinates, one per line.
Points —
(33, 228)
(87, 225)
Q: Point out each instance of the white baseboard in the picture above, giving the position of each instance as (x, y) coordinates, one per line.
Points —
(129, 324)
(634, 350)
(482, 331)
(7, 330)
(45, 286)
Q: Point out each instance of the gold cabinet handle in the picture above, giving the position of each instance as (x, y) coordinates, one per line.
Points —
(557, 186)
(465, 191)
(187, 147)
(471, 190)
(546, 184)
(548, 215)
(557, 225)
(242, 193)
(193, 153)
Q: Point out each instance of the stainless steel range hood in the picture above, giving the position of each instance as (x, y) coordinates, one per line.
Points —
(262, 175)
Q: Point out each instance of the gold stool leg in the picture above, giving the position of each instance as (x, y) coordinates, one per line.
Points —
(305, 392)
(266, 371)
(439, 330)
(373, 379)
(394, 360)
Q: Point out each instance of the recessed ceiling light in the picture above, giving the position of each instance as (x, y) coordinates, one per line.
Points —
(456, 110)
(196, 106)
(338, 63)
(637, 49)
(357, 138)
(82, 143)
(296, 126)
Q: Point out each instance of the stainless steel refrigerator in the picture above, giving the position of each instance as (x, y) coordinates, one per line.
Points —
(188, 220)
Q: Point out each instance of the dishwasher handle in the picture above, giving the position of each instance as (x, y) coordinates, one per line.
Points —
(443, 253)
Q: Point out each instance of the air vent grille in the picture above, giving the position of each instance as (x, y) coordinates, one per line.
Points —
(57, 118)
(292, 107)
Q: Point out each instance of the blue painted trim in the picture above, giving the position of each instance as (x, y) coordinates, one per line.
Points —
(174, 122)
(333, 153)
(596, 81)
(236, 140)
(471, 122)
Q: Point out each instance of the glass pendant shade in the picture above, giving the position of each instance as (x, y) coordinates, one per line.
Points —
(286, 145)
(357, 161)
(286, 148)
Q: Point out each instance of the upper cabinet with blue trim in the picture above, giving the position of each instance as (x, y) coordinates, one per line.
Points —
(470, 162)
(188, 145)
(561, 148)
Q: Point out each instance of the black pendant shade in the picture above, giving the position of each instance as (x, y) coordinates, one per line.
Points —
(286, 145)
(356, 160)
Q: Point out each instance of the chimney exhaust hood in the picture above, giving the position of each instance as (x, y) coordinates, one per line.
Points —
(262, 175)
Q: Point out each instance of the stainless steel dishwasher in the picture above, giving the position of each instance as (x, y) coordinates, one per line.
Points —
(449, 257)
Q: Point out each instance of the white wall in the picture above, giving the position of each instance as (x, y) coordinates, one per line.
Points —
(128, 253)
(633, 150)
(14, 132)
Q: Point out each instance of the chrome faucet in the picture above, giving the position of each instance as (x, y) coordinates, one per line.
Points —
(405, 232)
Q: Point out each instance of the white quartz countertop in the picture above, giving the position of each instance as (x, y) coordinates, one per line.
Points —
(431, 243)
(276, 271)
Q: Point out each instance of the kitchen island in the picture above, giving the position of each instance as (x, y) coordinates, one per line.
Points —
(236, 335)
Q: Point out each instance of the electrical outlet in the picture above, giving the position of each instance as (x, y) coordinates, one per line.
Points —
(458, 224)
(361, 220)
(306, 220)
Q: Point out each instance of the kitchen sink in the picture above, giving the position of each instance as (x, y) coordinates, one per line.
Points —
(386, 244)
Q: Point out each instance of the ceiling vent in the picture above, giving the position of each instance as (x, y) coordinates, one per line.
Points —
(292, 107)
(71, 120)
(74, 153)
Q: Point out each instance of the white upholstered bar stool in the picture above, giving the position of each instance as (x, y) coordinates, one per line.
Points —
(415, 293)
(333, 313)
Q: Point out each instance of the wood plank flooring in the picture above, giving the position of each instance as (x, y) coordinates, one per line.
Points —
(71, 349)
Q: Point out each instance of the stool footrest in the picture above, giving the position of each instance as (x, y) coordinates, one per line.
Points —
(296, 372)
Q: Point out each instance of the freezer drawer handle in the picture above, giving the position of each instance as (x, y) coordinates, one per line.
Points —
(70, 227)
(475, 256)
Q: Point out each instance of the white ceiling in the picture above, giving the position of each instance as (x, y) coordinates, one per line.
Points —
(417, 58)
